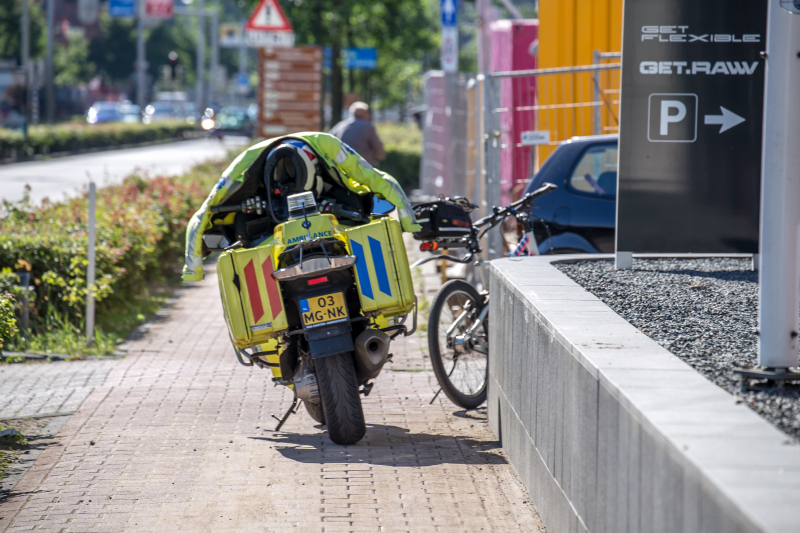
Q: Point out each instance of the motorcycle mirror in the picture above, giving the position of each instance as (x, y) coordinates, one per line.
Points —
(381, 206)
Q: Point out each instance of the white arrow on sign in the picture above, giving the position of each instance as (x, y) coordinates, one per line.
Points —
(727, 119)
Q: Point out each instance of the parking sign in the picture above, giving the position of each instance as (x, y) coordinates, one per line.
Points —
(690, 126)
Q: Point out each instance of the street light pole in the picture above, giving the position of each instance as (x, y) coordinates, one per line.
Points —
(50, 94)
(201, 54)
(141, 60)
(212, 82)
(26, 60)
(779, 272)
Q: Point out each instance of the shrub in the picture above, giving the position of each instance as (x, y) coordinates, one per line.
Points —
(403, 144)
(140, 228)
(8, 326)
(74, 136)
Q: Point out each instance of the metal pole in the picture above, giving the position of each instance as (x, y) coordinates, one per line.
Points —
(90, 273)
(141, 60)
(779, 272)
(242, 59)
(596, 84)
(494, 241)
(212, 82)
(26, 60)
(201, 55)
(25, 311)
(50, 94)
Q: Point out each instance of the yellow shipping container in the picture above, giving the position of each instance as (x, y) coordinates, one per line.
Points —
(570, 31)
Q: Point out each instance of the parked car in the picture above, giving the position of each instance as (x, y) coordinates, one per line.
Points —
(232, 120)
(167, 110)
(103, 112)
(130, 113)
(581, 214)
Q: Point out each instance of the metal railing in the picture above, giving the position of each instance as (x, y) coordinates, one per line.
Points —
(527, 114)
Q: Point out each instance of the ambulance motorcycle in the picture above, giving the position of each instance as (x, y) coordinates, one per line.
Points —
(319, 304)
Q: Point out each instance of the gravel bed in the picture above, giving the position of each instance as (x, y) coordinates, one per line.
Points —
(702, 310)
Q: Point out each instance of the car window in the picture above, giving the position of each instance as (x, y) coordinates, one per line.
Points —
(596, 172)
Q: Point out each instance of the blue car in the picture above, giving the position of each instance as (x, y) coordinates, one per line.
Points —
(581, 214)
(102, 112)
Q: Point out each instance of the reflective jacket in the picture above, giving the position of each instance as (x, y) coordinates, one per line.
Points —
(343, 163)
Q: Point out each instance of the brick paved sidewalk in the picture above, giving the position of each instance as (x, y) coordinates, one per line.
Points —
(178, 438)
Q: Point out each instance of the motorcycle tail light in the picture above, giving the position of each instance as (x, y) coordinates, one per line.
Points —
(315, 281)
(428, 246)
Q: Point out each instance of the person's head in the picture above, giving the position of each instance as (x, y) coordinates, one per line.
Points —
(359, 110)
(291, 167)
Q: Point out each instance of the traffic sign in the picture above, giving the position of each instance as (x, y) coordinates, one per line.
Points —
(449, 13)
(230, 35)
(268, 16)
(158, 9)
(690, 128)
(122, 8)
(290, 90)
(449, 50)
(87, 11)
(361, 58)
(268, 26)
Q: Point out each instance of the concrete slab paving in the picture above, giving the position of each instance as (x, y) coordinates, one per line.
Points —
(177, 436)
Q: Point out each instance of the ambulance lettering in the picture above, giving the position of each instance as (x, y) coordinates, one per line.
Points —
(318, 235)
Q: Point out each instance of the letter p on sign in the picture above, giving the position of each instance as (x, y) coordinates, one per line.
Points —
(672, 118)
(667, 117)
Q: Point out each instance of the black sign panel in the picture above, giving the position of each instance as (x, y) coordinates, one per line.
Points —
(690, 126)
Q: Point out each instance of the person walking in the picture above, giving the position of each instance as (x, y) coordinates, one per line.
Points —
(359, 133)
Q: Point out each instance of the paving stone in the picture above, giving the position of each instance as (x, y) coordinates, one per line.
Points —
(163, 420)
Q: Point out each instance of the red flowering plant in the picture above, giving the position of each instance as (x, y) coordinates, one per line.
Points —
(139, 242)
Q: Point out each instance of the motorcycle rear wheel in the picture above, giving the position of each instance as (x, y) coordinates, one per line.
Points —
(315, 411)
(341, 404)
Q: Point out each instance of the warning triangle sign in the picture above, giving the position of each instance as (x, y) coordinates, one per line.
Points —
(268, 16)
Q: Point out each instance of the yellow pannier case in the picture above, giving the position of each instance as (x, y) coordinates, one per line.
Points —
(382, 273)
(251, 297)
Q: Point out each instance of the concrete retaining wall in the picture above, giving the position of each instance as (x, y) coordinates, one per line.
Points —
(612, 433)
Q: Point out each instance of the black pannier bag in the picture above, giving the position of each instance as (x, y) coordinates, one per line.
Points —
(442, 218)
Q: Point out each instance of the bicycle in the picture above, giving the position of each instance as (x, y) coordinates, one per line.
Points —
(458, 325)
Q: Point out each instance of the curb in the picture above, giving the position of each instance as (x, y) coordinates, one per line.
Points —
(119, 353)
(21, 466)
(189, 136)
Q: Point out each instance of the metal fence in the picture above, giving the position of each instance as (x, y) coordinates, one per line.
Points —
(527, 114)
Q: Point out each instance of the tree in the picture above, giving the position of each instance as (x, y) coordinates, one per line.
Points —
(403, 31)
(71, 63)
(114, 50)
(11, 29)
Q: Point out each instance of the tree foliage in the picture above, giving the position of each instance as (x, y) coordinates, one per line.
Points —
(405, 32)
(11, 29)
(71, 63)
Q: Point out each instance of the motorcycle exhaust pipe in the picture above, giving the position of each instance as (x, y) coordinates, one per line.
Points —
(371, 352)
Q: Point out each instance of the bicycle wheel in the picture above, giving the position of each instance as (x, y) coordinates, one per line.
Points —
(460, 369)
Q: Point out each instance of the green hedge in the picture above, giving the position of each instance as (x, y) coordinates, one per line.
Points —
(140, 242)
(74, 137)
(7, 320)
(403, 144)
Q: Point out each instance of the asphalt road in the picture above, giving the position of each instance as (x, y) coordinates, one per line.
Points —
(62, 176)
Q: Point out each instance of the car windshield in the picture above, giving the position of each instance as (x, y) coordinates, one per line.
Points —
(233, 111)
(105, 106)
(162, 108)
